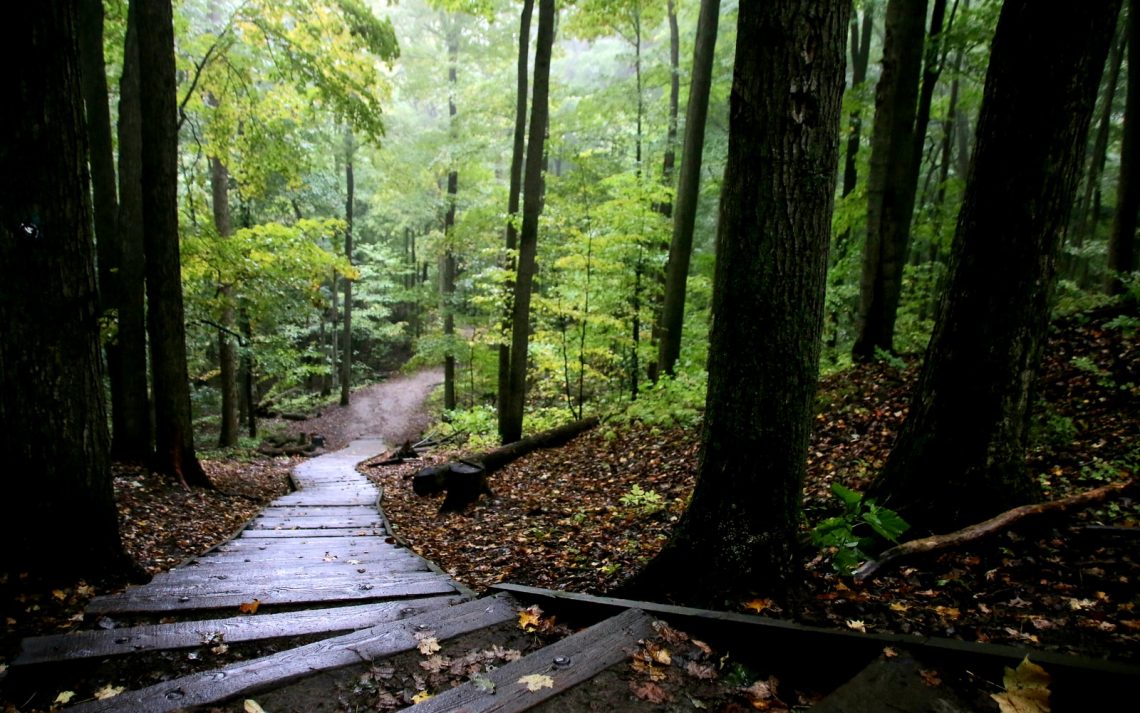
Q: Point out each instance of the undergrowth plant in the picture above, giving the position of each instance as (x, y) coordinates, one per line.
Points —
(850, 538)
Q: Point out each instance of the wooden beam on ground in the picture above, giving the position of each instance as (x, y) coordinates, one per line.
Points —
(567, 662)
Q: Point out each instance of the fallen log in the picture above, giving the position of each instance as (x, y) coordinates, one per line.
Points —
(465, 479)
(937, 543)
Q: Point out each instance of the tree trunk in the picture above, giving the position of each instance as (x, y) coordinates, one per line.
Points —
(670, 157)
(447, 271)
(174, 433)
(513, 209)
(511, 429)
(740, 531)
(960, 455)
(890, 186)
(58, 517)
(350, 196)
(860, 57)
(132, 432)
(1122, 239)
(227, 353)
(688, 190)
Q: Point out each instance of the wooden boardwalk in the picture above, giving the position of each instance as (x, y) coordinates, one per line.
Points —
(321, 565)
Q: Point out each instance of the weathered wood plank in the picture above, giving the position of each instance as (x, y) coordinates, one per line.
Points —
(314, 523)
(305, 544)
(319, 511)
(240, 565)
(285, 557)
(270, 573)
(321, 499)
(250, 676)
(568, 662)
(241, 585)
(160, 637)
(413, 584)
(298, 533)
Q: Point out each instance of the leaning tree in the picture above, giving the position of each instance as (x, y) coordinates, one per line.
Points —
(960, 455)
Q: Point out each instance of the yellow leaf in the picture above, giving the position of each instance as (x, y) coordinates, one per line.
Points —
(421, 697)
(658, 653)
(64, 697)
(536, 681)
(857, 625)
(1026, 689)
(428, 646)
(109, 691)
(899, 607)
(249, 607)
(947, 612)
(758, 605)
(529, 618)
(59, 594)
(252, 706)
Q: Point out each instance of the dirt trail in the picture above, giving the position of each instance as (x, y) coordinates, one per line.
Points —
(392, 411)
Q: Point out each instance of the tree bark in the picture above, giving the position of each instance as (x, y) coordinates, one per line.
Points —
(1122, 239)
(960, 455)
(511, 239)
(890, 186)
(227, 353)
(132, 431)
(174, 435)
(688, 190)
(860, 46)
(350, 197)
(58, 517)
(447, 271)
(511, 429)
(739, 532)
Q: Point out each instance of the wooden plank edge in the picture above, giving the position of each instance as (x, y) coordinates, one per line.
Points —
(568, 662)
(781, 633)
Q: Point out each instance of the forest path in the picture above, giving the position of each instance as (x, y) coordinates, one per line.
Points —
(392, 411)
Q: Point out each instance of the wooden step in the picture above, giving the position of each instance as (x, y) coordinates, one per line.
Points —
(568, 662)
(277, 669)
(163, 599)
(331, 511)
(298, 522)
(270, 572)
(158, 637)
(298, 533)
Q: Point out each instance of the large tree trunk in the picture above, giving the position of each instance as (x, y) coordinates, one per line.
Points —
(688, 190)
(58, 516)
(1122, 239)
(447, 268)
(960, 455)
(350, 196)
(174, 434)
(132, 431)
(740, 531)
(891, 181)
(511, 428)
(513, 208)
(227, 353)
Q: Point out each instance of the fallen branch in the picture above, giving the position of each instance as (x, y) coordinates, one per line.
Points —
(937, 543)
(466, 479)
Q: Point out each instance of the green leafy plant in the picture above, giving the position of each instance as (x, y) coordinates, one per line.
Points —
(643, 502)
(851, 536)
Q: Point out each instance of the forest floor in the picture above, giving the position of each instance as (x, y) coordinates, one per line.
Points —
(569, 518)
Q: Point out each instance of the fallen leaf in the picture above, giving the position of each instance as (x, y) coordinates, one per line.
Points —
(536, 681)
(701, 671)
(658, 653)
(252, 706)
(899, 607)
(220, 649)
(758, 605)
(249, 607)
(1026, 689)
(889, 652)
(705, 648)
(646, 668)
(857, 625)
(59, 594)
(483, 683)
(530, 618)
(762, 694)
(648, 691)
(108, 691)
(671, 635)
(428, 646)
(435, 664)
(421, 697)
(947, 612)
(930, 678)
(64, 697)
(85, 590)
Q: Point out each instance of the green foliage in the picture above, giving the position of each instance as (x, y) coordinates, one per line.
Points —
(1049, 428)
(672, 401)
(643, 502)
(846, 537)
